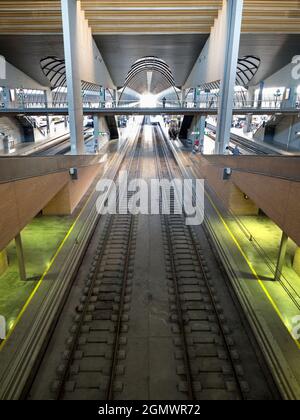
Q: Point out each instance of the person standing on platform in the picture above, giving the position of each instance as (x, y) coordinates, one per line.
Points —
(236, 151)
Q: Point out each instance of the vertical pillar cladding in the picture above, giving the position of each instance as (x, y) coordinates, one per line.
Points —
(71, 22)
(20, 257)
(233, 10)
(97, 128)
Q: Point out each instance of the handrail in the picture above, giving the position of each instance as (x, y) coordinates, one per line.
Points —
(22, 167)
(281, 167)
(205, 104)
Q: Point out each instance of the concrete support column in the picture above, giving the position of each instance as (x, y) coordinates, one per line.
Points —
(102, 97)
(281, 256)
(48, 97)
(201, 128)
(248, 125)
(292, 100)
(260, 94)
(20, 257)
(71, 44)
(48, 102)
(291, 132)
(251, 96)
(116, 97)
(234, 13)
(97, 129)
(6, 97)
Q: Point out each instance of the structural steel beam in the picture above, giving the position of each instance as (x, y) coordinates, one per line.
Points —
(70, 31)
(234, 11)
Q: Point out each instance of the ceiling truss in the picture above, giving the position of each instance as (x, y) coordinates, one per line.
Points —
(148, 16)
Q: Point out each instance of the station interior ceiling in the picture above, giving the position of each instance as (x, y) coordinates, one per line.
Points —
(127, 30)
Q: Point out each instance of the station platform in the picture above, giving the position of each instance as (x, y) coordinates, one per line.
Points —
(38, 254)
(239, 133)
(273, 147)
(28, 148)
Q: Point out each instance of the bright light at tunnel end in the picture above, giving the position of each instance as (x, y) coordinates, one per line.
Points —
(148, 100)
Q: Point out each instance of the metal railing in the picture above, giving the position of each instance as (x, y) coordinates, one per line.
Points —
(135, 104)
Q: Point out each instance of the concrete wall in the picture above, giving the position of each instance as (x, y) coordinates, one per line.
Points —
(209, 66)
(230, 194)
(67, 199)
(21, 200)
(239, 203)
(282, 78)
(92, 65)
(15, 78)
(287, 167)
(286, 132)
(278, 198)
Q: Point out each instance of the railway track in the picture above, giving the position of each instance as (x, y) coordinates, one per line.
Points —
(92, 357)
(94, 347)
(211, 366)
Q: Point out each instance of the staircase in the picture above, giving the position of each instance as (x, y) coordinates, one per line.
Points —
(29, 124)
(266, 130)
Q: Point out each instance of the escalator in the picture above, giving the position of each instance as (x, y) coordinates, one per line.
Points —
(112, 127)
(185, 126)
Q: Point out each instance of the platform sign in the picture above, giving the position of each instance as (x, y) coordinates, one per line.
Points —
(2, 327)
(2, 67)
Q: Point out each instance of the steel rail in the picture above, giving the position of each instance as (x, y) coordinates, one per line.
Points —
(116, 344)
(83, 313)
(203, 272)
(17, 371)
(187, 361)
(282, 375)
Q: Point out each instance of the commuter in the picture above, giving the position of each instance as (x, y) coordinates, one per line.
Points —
(236, 151)
(164, 102)
(196, 146)
(96, 146)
